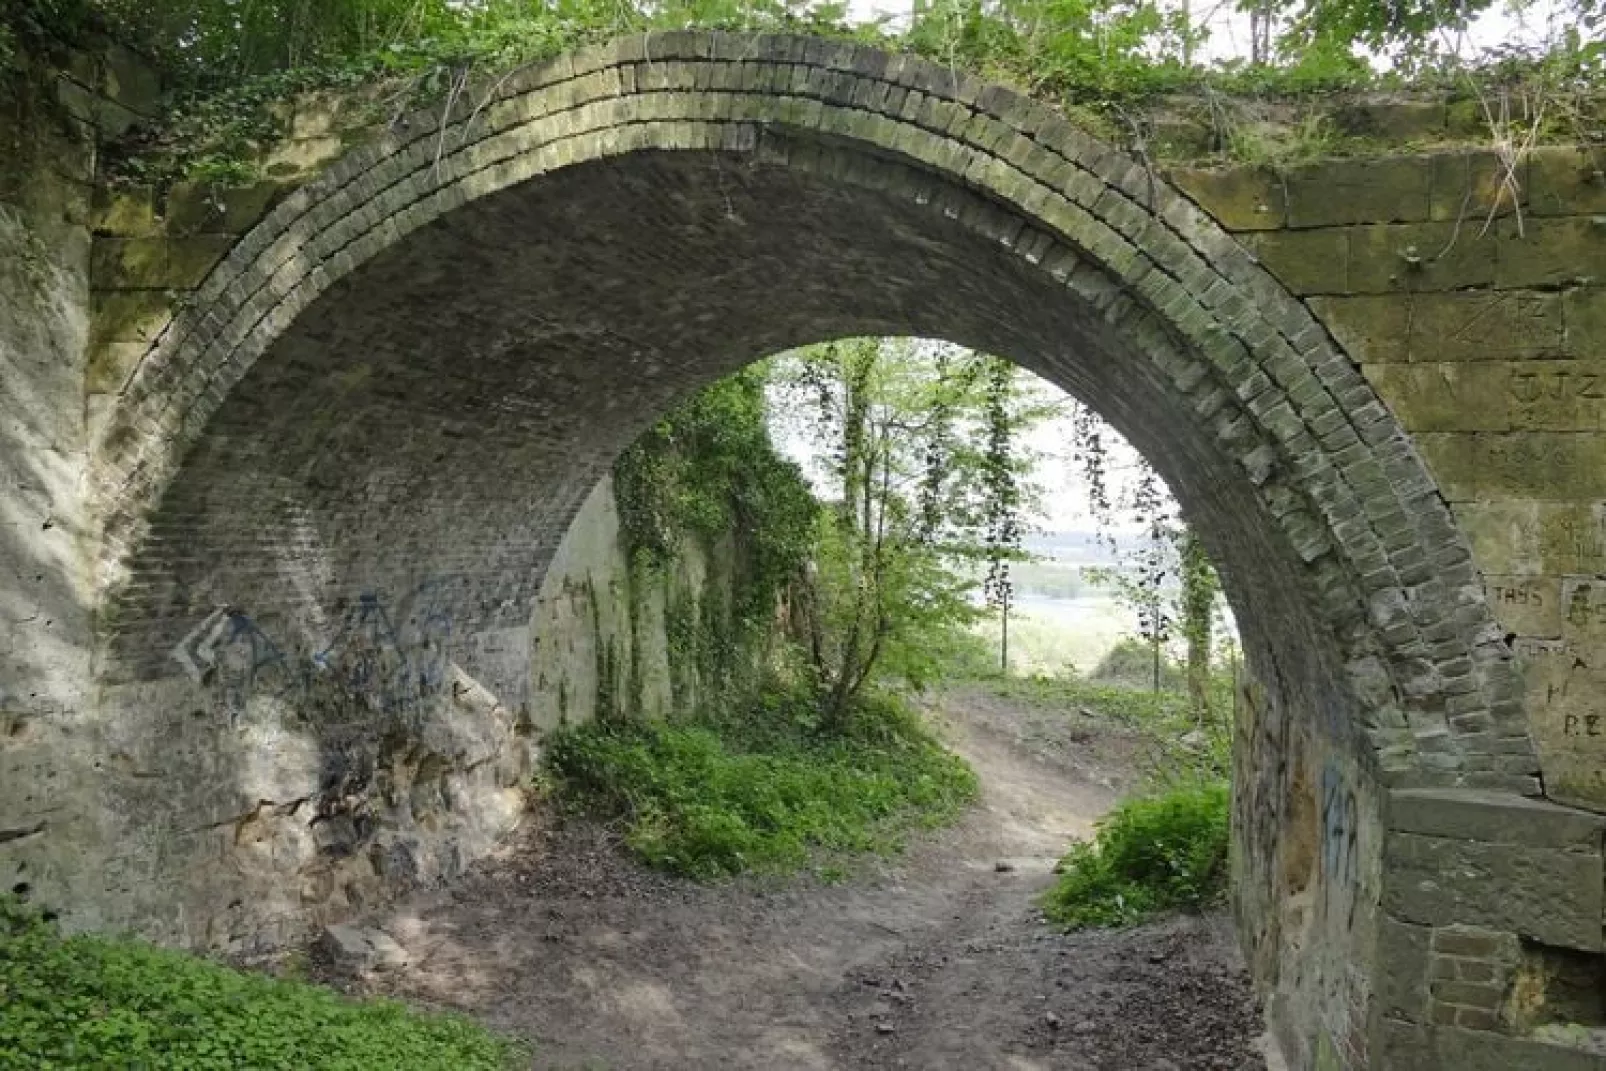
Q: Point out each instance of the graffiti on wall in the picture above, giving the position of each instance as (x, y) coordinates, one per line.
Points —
(370, 661)
(1340, 843)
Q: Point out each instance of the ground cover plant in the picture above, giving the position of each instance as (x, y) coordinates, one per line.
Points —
(713, 797)
(106, 1002)
(1156, 853)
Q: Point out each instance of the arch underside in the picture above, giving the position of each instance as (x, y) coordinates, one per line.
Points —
(437, 418)
(409, 376)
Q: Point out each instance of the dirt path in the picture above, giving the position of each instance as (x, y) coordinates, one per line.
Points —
(937, 959)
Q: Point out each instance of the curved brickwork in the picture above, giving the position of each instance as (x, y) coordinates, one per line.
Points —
(1246, 373)
(326, 495)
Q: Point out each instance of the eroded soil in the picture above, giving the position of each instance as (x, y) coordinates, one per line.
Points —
(934, 959)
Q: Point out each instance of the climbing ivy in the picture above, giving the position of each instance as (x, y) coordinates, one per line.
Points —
(707, 476)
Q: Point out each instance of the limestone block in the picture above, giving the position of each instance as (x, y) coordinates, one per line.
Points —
(1240, 198)
(1548, 893)
(1409, 1047)
(1335, 192)
(129, 316)
(1461, 326)
(1446, 396)
(361, 949)
(125, 213)
(1559, 251)
(155, 263)
(1391, 120)
(1307, 262)
(1493, 817)
(1525, 605)
(1519, 464)
(1558, 395)
(1533, 538)
(1584, 310)
(1566, 180)
(1418, 256)
(194, 208)
(1402, 962)
(301, 156)
(110, 364)
(1470, 187)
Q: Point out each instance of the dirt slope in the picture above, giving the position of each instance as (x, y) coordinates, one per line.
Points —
(936, 959)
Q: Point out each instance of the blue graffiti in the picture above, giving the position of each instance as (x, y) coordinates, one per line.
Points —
(1340, 838)
(369, 659)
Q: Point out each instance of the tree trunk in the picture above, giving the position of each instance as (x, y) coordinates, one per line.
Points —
(1198, 608)
(1003, 646)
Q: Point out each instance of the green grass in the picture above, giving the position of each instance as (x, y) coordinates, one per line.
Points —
(765, 793)
(1152, 854)
(102, 1002)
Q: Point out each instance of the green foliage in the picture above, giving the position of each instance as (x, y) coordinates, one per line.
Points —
(1156, 853)
(91, 1001)
(708, 472)
(1130, 664)
(926, 477)
(767, 789)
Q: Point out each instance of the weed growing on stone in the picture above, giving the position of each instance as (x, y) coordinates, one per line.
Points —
(1152, 854)
(93, 1001)
(716, 797)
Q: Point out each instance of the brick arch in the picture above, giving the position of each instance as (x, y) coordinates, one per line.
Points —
(1207, 362)
(408, 375)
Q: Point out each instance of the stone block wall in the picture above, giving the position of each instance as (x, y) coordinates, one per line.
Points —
(217, 804)
(51, 123)
(1474, 297)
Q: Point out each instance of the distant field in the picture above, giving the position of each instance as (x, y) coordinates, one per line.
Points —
(1047, 635)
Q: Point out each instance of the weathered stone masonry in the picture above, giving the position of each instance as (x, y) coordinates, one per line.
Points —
(406, 375)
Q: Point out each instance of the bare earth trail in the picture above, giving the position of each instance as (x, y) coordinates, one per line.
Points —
(935, 959)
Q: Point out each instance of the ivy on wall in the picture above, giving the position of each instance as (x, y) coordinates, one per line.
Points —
(707, 475)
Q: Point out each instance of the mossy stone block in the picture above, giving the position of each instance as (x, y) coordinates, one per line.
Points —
(1533, 538)
(1471, 187)
(189, 259)
(128, 264)
(1584, 311)
(155, 263)
(1306, 262)
(1240, 198)
(1519, 464)
(1446, 396)
(129, 316)
(1553, 252)
(1331, 193)
(1453, 326)
(206, 208)
(1418, 256)
(127, 213)
(110, 364)
(1567, 180)
(1395, 121)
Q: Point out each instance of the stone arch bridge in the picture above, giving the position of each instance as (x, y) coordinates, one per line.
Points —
(258, 440)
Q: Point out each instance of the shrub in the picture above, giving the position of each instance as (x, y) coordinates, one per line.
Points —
(1151, 854)
(763, 793)
(91, 1001)
(1131, 662)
